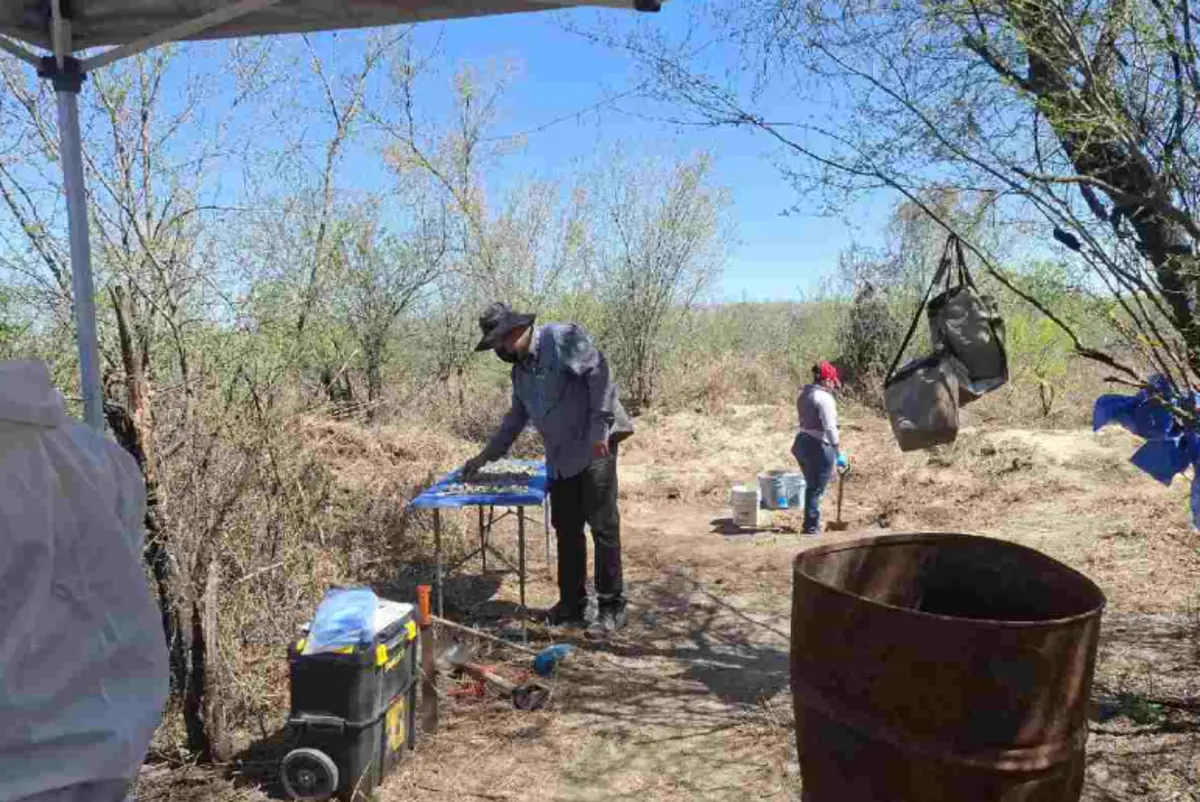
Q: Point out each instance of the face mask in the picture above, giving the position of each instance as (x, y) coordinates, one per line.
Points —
(507, 356)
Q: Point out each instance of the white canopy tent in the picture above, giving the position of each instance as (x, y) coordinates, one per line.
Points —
(61, 28)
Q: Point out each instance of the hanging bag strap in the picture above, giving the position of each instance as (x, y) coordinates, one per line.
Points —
(943, 267)
(964, 274)
(965, 278)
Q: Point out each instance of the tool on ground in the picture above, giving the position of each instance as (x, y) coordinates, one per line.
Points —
(525, 696)
(480, 634)
(591, 658)
(839, 525)
(429, 697)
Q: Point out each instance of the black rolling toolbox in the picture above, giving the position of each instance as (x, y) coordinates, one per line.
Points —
(353, 711)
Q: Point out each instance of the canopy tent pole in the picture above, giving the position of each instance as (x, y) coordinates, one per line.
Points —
(68, 81)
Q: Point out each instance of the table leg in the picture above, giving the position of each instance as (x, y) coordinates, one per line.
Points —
(546, 526)
(521, 551)
(482, 543)
(437, 550)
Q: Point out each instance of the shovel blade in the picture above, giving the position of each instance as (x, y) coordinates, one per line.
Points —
(453, 658)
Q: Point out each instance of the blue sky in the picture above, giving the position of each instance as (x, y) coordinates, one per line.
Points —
(560, 74)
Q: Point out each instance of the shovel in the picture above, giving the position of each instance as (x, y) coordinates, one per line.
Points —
(839, 525)
(526, 696)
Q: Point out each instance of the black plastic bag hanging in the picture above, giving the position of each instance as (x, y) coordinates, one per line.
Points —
(965, 323)
(922, 396)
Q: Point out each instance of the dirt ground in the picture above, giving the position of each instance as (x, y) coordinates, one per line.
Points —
(691, 702)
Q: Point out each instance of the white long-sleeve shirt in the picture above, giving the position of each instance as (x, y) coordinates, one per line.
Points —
(83, 663)
(818, 414)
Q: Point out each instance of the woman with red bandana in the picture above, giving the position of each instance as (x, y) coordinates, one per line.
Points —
(816, 445)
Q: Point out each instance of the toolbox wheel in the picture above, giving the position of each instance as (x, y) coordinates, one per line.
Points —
(308, 774)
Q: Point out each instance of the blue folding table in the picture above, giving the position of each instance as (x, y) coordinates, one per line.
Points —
(531, 493)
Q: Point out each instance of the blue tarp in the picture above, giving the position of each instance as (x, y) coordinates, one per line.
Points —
(532, 495)
(1172, 445)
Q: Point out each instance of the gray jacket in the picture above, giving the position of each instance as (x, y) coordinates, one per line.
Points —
(818, 414)
(563, 387)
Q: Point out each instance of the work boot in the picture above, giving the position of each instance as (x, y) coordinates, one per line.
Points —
(561, 615)
(608, 621)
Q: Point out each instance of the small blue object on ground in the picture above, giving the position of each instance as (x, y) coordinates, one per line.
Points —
(550, 657)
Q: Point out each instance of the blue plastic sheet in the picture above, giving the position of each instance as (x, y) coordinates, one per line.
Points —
(1172, 444)
(1138, 414)
(1162, 459)
(533, 494)
(345, 617)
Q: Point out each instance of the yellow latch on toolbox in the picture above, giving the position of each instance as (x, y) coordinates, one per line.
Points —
(381, 655)
(300, 644)
(411, 629)
(395, 661)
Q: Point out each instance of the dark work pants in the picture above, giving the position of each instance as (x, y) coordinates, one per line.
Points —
(817, 460)
(588, 498)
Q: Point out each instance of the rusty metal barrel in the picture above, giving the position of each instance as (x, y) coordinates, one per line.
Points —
(934, 667)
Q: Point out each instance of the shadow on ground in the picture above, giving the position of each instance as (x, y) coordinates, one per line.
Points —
(697, 709)
(726, 526)
(462, 591)
(1145, 715)
(257, 766)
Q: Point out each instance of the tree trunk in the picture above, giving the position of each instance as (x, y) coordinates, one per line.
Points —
(203, 706)
(1097, 151)
(133, 428)
(373, 356)
(192, 646)
(155, 552)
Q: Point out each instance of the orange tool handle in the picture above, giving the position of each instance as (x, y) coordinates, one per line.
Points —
(424, 616)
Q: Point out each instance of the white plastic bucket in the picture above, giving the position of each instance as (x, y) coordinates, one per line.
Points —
(773, 489)
(744, 501)
(794, 486)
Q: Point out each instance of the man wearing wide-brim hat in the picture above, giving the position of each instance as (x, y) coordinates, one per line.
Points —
(561, 384)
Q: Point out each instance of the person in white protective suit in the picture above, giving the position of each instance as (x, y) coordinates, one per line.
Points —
(83, 663)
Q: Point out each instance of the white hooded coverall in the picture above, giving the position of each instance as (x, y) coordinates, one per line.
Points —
(83, 664)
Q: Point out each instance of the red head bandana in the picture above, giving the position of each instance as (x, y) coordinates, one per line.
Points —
(829, 373)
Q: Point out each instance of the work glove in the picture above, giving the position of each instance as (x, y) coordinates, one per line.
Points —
(472, 466)
(843, 460)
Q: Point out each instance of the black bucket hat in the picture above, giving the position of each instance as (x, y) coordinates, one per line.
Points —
(497, 321)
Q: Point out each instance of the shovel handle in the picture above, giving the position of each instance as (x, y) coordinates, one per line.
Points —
(841, 487)
(481, 673)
